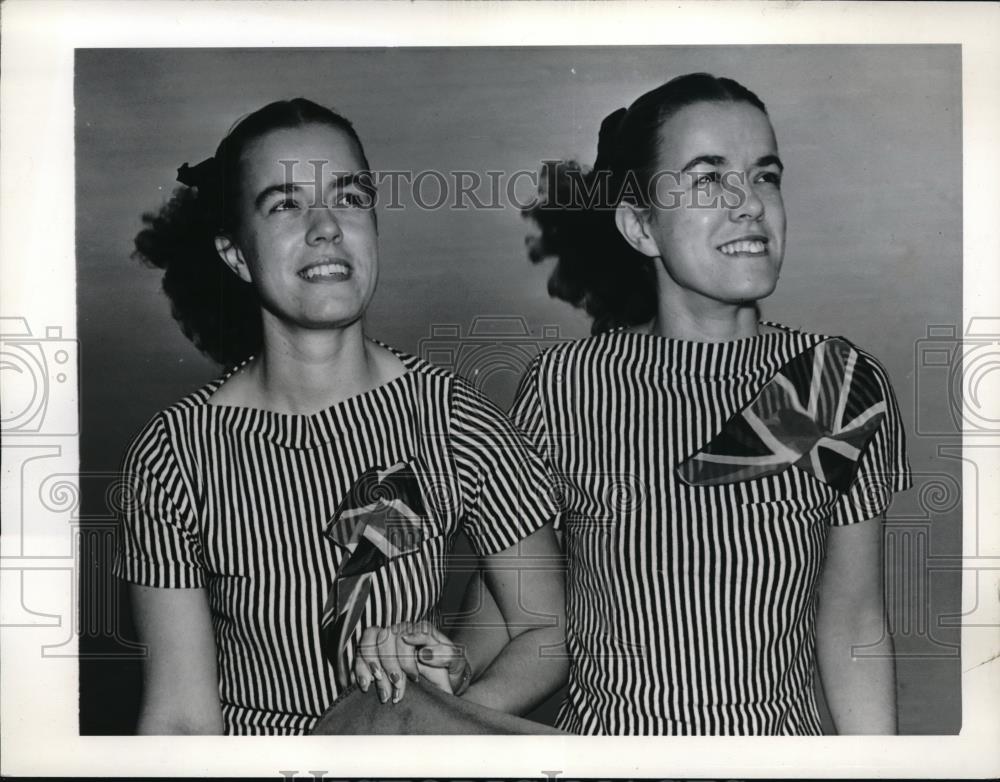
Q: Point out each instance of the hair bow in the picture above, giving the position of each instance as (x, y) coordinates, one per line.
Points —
(199, 175)
(606, 136)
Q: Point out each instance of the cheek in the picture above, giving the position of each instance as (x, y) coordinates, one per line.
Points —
(693, 226)
(775, 210)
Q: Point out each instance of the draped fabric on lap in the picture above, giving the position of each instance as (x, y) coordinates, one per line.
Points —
(424, 711)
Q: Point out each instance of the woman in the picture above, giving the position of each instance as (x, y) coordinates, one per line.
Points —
(724, 478)
(304, 503)
(757, 457)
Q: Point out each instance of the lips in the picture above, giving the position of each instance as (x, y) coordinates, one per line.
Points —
(326, 270)
(745, 245)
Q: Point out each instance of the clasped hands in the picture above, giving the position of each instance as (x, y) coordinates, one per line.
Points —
(389, 656)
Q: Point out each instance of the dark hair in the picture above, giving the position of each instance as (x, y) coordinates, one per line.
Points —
(596, 269)
(216, 310)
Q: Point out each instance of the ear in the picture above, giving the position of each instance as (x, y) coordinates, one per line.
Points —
(232, 256)
(633, 224)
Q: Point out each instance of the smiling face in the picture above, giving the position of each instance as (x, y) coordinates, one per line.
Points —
(720, 235)
(306, 235)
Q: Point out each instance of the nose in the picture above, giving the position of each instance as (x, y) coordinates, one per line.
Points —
(750, 205)
(323, 225)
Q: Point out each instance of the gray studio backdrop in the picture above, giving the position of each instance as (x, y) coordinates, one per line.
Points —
(870, 135)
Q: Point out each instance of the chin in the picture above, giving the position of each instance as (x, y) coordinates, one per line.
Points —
(762, 287)
(753, 293)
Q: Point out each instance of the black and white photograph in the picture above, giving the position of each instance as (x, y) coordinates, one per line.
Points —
(428, 389)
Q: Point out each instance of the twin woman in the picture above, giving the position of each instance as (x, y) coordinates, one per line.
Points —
(292, 518)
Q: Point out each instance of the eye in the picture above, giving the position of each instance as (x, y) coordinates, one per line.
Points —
(770, 178)
(706, 178)
(352, 199)
(285, 205)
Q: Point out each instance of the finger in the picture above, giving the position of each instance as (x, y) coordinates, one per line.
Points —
(424, 629)
(424, 634)
(438, 677)
(382, 685)
(451, 660)
(407, 653)
(388, 653)
(440, 656)
(366, 663)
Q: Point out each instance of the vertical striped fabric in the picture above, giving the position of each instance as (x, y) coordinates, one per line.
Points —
(690, 609)
(235, 500)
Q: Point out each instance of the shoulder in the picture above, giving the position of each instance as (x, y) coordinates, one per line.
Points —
(418, 368)
(155, 440)
(435, 385)
(862, 361)
(859, 364)
(839, 357)
(593, 352)
(869, 379)
(473, 410)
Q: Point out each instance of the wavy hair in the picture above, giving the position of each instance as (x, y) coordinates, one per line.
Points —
(596, 269)
(216, 310)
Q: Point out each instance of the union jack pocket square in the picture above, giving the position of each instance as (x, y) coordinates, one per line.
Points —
(381, 518)
(817, 413)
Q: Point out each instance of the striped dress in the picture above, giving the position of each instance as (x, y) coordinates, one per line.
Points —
(236, 500)
(694, 544)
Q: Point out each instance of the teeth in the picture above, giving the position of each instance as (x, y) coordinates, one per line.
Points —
(744, 246)
(326, 270)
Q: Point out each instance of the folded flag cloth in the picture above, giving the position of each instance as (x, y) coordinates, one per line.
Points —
(817, 414)
(424, 710)
(381, 518)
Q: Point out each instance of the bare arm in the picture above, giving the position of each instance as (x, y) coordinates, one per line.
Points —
(860, 691)
(512, 645)
(482, 631)
(180, 677)
(527, 581)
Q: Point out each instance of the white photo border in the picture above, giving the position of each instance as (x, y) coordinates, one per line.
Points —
(39, 716)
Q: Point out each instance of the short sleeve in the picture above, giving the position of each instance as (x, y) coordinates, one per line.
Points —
(528, 416)
(883, 468)
(526, 413)
(157, 543)
(509, 492)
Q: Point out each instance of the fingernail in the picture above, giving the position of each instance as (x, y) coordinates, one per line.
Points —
(383, 696)
(376, 672)
(397, 696)
(382, 635)
(426, 654)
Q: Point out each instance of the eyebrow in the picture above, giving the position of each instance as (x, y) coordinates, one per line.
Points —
(718, 160)
(287, 188)
(770, 160)
(711, 160)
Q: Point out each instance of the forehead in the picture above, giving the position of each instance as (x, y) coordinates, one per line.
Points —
(302, 150)
(738, 132)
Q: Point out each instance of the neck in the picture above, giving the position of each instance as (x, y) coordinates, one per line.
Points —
(701, 320)
(300, 371)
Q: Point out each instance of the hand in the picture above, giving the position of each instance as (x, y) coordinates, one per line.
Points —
(388, 656)
(436, 654)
